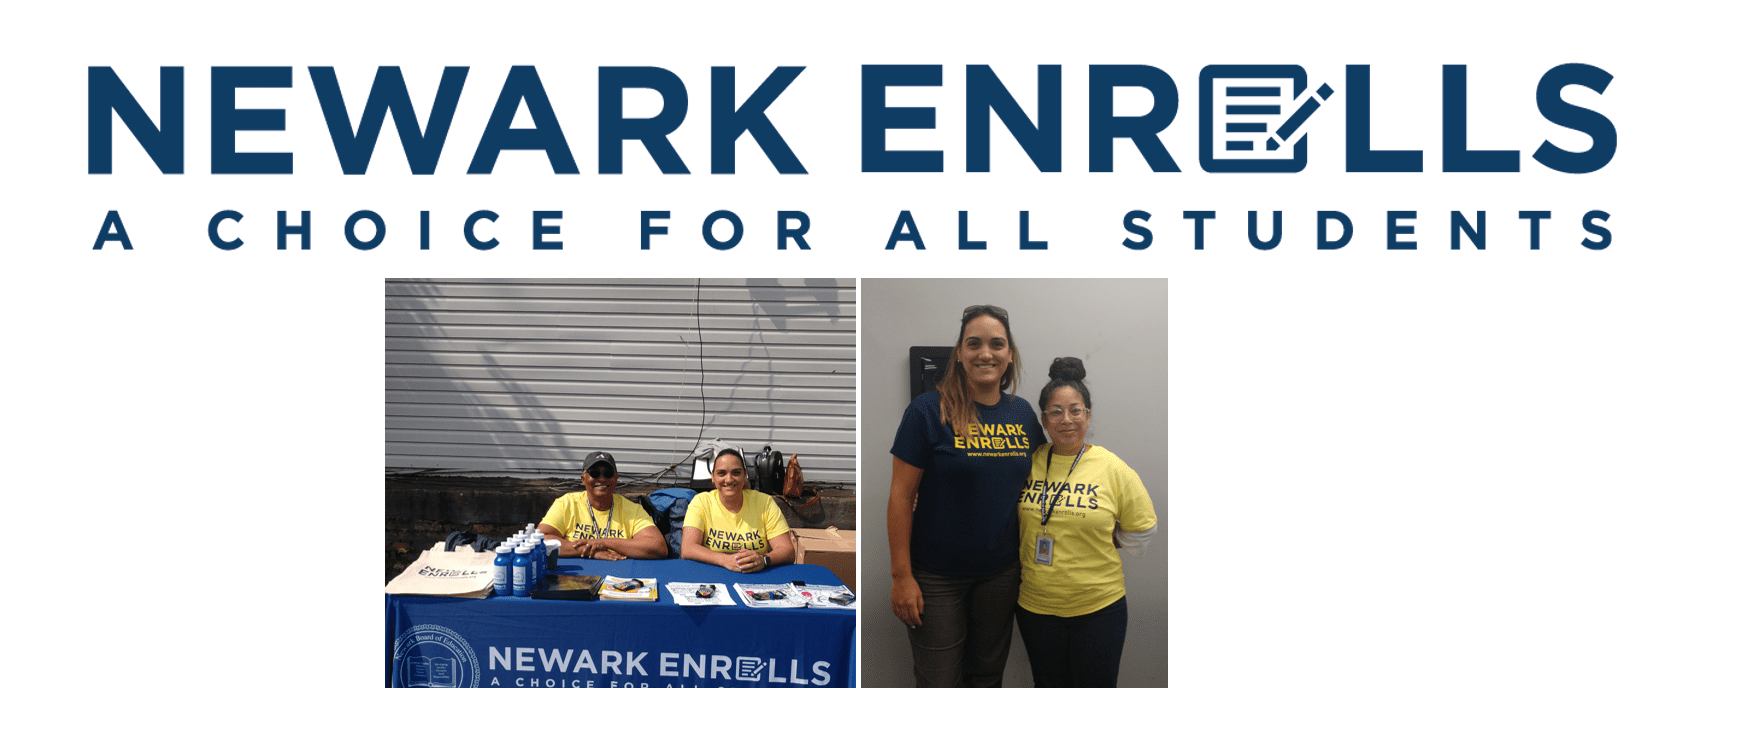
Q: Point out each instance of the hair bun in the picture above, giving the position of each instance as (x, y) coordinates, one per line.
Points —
(1067, 367)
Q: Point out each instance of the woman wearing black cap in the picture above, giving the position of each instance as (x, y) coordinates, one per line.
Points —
(598, 524)
(961, 455)
(733, 527)
(1082, 504)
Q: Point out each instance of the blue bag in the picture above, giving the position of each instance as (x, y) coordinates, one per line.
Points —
(671, 506)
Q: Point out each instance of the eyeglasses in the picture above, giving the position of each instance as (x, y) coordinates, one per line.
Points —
(985, 309)
(1075, 413)
(601, 471)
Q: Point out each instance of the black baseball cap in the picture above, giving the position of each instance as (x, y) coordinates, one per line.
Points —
(595, 457)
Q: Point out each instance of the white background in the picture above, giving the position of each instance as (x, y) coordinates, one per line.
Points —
(1431, 494)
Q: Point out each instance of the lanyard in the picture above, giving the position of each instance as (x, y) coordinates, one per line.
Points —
(1048, 503)
(593, 515)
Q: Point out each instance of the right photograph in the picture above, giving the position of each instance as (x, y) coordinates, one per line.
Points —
(1013, 457)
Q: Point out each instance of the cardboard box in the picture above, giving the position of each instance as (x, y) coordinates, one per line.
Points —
(830, 548)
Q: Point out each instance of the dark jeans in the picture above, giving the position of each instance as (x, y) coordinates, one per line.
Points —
(1075, 651)
(964, 635)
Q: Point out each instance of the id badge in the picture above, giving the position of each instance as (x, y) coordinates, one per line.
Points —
(1043, 550)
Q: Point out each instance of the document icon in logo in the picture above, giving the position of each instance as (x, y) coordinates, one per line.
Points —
(749, 669)
(1249, 116)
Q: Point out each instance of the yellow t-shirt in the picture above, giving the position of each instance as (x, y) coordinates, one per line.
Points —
(1085, 575)
(572, 516)
(750, 528)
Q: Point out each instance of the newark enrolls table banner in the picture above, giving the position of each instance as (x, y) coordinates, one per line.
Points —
(514, 642)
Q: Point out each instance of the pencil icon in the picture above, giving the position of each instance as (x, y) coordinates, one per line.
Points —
(1241, 105)
(1287, 130)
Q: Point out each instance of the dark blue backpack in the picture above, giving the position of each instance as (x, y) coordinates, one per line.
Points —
(671, 507)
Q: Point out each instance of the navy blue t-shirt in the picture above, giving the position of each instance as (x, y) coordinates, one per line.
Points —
(965, 523)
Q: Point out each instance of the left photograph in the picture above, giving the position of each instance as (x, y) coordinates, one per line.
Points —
(609, 483)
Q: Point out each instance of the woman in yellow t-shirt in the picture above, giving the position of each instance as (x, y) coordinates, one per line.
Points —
(735, 528)
(598, 524)
(1081, 504)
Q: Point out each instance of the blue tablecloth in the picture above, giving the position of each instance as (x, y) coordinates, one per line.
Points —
(505, 641)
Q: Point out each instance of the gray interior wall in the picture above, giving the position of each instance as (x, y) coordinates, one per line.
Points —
(1119, 328)
(526, 376)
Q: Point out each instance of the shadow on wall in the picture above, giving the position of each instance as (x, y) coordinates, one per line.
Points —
(777, 305)
(522, 377)
(429, 413)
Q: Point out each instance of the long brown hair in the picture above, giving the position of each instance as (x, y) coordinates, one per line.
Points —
(956, 403)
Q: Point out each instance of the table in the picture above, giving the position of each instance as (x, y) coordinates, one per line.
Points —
(507, 641)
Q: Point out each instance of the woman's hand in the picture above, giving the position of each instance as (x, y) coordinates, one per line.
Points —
(904, 598)
(596, 549)
(747, 561)
(906, 601)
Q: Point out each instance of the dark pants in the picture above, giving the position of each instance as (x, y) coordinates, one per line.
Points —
(963, 637)
(1075, 651)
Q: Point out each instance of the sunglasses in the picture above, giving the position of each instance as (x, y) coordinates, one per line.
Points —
(601, 471)
(994, 310)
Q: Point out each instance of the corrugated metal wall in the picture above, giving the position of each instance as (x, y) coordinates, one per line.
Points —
(526, 376)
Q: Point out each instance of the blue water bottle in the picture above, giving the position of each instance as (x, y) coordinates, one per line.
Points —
(502, 571)
(521, 572)
(539, 558)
